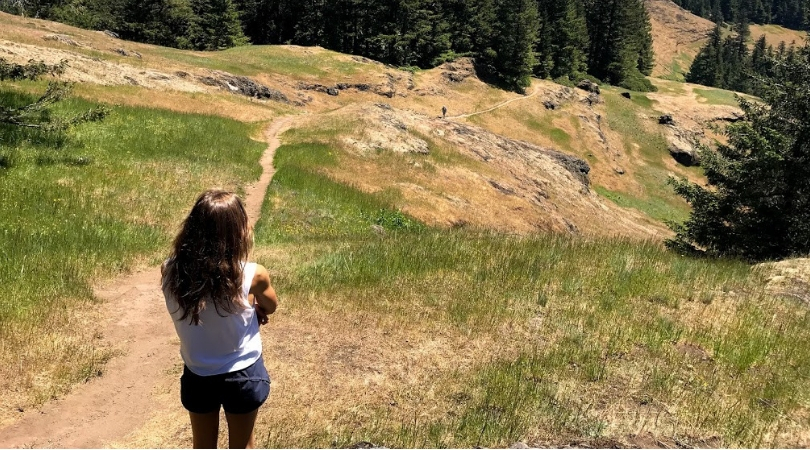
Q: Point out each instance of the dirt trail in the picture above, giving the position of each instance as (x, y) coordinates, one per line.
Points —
(119, 402)
(498, 106)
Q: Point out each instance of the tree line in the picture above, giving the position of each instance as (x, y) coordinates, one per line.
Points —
(511, 40)
(794, 14)
(728, 63)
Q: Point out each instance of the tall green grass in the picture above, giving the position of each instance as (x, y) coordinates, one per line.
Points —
(103, 198)
(657, 199)
(592, 341)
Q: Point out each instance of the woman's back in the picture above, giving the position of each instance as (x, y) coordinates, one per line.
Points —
(222, 342)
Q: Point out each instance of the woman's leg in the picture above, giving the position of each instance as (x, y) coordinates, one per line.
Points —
(205, 429)
(240, 429)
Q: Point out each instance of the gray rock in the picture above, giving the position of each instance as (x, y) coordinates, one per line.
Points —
(589, 86)
(243, 86)
(61, 38)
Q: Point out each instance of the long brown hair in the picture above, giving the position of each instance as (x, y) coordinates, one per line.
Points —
(208, 255)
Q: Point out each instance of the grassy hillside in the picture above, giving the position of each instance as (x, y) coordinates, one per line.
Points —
(421, 306)
(550, 340)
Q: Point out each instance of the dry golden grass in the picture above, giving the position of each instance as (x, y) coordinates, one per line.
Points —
(41, 359)
(774, 34)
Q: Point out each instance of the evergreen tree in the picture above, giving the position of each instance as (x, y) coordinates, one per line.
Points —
(515, 33)
(215, 25)
(160, 22)
(621, 43)
(757, 204)
(562, 41)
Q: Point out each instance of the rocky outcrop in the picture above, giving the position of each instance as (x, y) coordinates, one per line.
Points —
(458, 70)
(243, 86)
(63, 39)
(127, 53)
(589, 86)
(684, 145)
(387, 89)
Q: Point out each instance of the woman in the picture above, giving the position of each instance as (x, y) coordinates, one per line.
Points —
(218, 301)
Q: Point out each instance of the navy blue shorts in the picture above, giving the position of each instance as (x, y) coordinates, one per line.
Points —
(237, 392)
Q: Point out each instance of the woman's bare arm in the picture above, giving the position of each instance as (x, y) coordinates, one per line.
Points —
(263, 293)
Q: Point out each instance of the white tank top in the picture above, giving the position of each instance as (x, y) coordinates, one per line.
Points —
(219, 344)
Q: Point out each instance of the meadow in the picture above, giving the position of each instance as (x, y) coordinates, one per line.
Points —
(471, 338)
(82, 207)
(576, 341)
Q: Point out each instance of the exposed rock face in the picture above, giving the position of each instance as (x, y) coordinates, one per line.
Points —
(666, 119)
(458, 70)
(124, 52)
(63, 39)
(589, 86)
(684, 146)
(387, 89)
(243, 86)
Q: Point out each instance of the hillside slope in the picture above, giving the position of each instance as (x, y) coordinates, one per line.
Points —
(493, 278)
(258, 83)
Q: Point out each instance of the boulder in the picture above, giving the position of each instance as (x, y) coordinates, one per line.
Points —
(684, 148)
(243, 86)
(666, 119)
(62, 38)
(589, 86)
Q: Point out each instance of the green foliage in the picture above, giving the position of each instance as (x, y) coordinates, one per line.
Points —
(510, 40)
(36, 114)
(621, 42)
(728, 63)
(757, 205)
(215, 25)
(562, 41)
(515, 33)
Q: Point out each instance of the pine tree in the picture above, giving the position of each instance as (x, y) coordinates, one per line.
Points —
(215, 25)
(621, 42)
(513, 43)
(562, 41)
(708, 68)
(757, 204)
(160, 22)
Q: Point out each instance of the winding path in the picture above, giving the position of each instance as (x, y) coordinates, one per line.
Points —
(498, 106)
(119, 402)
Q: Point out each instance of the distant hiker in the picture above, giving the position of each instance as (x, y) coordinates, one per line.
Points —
(444, 112)
(218, 301)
